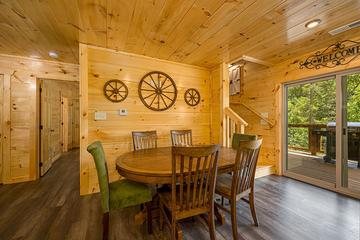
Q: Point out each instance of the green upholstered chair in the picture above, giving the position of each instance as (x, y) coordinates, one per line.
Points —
(238, 137)
(120, 194)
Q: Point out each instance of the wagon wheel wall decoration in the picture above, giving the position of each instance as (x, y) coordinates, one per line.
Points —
(157, 91)
(115, 90)
(192, 97)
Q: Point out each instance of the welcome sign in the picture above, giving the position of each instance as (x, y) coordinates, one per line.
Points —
(340, 53)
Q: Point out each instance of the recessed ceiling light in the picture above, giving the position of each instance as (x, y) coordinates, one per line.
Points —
(53, 54)
(313, 23)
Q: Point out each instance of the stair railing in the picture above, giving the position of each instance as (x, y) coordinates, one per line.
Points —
(232, 123)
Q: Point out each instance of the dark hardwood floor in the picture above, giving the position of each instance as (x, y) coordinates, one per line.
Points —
(51, 208)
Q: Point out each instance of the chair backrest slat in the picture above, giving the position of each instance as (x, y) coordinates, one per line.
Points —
(181, 137)
(245, 166)
(196, 180)
(144, 140)
(198, 166)
(202, 177)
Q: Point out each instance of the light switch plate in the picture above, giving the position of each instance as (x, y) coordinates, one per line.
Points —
(100, 116)
(123, 112)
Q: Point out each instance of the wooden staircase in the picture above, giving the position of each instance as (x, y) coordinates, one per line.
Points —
(233, 123)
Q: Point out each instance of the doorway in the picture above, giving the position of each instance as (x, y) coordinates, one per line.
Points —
(322, 131)
(58, 122)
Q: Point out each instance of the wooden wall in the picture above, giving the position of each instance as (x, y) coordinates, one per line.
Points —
(20, 123)
(115, 132)
(262, 91)
(216, 129)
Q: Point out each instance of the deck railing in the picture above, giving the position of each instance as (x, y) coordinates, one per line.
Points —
(232, 123)
(315, 132)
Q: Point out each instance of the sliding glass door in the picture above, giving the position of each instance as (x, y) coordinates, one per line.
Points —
(350, 172)
(322, 131)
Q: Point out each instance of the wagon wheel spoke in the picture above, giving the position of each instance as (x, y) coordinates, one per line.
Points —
(153, 81)
(149, 95)
(163, 99)
(163, 83)
(111, 94)
(158, 80)
(148, 90)
(168, 97)
(149, 85)
(153, 100)
(167, 87)
(158, 101)
(111, 86)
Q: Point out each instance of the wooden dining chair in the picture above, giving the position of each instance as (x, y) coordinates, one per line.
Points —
(239, 137)
(119, 194)
(194, 172)
(241, 183)
(181, 137)
(144, 139)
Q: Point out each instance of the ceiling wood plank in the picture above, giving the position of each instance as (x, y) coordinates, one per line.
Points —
(199, 32)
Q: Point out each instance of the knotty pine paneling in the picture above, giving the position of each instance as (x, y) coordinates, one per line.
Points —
(216, 128)
(262, 88)
(115, 132)
(19, 121)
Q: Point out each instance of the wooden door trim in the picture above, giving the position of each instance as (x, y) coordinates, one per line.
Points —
(64, 125)
(39, 82)
(6, 123)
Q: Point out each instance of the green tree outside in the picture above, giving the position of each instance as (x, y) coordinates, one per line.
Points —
(315, 103)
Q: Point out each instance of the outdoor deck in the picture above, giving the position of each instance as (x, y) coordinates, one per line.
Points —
(315, 167)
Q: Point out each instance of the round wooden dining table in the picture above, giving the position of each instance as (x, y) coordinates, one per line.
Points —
(153, 166)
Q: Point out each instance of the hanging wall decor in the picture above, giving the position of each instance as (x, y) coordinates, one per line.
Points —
(115, 90)
(192, 97)
(157, 91)
(340, 53)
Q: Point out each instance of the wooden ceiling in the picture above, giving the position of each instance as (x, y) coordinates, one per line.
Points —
(200, 32)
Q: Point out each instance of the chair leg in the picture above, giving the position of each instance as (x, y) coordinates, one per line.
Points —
(252, 207)
(173, 230)
(149, 217)
(211, 224)
(106, 220)
(179, 232)
(161, 217)
(233, 219)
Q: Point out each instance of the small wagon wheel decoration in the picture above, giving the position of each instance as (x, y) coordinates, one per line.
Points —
(157, 91)
(115, 90)
(192, 97)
